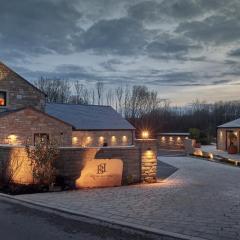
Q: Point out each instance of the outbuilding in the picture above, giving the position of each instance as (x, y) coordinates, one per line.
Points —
(228, 134)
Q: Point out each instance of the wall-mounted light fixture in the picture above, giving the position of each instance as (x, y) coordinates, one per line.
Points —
(12, 139)
(145, 134)
(149, 153)
(74, 140)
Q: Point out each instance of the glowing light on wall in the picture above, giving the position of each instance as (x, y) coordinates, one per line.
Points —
(178, 139)
(171, 139)
(12, 139)
(74, 140)
(163, 139)
(221, 134)
(124, 139)
(145, 134)
(101, 139)
(149, 153)
(113, 139)
(88, 140)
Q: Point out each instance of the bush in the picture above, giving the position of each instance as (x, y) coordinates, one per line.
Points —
(42, 160)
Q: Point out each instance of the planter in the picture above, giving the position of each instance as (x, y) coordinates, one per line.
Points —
(232, 149)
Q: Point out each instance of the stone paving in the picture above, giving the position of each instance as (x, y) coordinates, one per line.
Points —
(200, 199)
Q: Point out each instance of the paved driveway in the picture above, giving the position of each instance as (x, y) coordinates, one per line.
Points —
(200, 199)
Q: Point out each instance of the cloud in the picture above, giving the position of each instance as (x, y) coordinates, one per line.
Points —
(166, 46)
(37, 27)
(122, 36)
(215, 29)
(234, 53)
(175, 10)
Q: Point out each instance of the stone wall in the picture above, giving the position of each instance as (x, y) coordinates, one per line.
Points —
(174, 142)
(72, 160)
(14, 162)
(20, 127)
(139, 162)
(19, 92)
(98, 138)
(148, 151)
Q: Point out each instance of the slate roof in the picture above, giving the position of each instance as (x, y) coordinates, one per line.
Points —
(232, 124)
(88, 117)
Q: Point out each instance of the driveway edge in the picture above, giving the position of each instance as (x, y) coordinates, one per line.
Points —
(165, 235)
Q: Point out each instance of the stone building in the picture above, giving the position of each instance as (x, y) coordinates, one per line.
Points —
(26, 117)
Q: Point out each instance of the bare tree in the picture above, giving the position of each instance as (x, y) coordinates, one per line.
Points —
(99, 88)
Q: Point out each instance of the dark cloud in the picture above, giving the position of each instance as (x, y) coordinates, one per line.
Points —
(215, 29)
(123, 36)
(37, 27)
(174, 9)
(234, 53)
(166, 46)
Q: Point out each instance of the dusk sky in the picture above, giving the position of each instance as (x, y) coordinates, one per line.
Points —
(184, 49)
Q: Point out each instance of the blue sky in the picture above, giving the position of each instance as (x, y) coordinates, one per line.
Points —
(184, 49)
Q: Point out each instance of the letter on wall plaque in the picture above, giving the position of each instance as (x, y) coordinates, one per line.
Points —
(101, 173)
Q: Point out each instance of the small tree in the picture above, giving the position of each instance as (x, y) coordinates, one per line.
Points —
(42, 160)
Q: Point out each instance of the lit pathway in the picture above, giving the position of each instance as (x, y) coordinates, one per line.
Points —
(200, 199)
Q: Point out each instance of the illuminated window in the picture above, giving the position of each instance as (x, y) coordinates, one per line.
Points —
(3, 98)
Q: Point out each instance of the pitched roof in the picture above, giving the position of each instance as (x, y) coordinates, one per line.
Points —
(232, 124)
(89, 117)
(6, 68)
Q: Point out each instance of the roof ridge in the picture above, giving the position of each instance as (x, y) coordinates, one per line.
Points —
(77, 104)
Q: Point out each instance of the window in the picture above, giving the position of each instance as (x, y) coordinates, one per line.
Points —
(41, 138)
(3, 98)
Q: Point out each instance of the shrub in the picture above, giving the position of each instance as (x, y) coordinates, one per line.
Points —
(42, 160)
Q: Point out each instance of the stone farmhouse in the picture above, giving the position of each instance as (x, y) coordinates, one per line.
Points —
(25, 116)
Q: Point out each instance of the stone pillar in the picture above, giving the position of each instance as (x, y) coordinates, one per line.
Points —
(148, 153)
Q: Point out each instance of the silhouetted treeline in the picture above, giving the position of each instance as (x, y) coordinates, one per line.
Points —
(143, 107)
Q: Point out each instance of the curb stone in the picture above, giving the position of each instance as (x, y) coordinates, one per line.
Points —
(90, 218)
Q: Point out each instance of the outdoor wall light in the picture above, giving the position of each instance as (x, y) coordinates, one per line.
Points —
(163, 139)
(101, 139)
(89, 139)
(124, 138)
(113, 139)
(74, 140)
(149, 153)
(171, 139)
(12, 139)
(145, 134)
(178, 139)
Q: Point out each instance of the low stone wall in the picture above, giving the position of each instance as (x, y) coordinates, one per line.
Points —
(139, 161)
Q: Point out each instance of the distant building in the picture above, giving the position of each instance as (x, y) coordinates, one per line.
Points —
(26, 117)
(224, 132)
